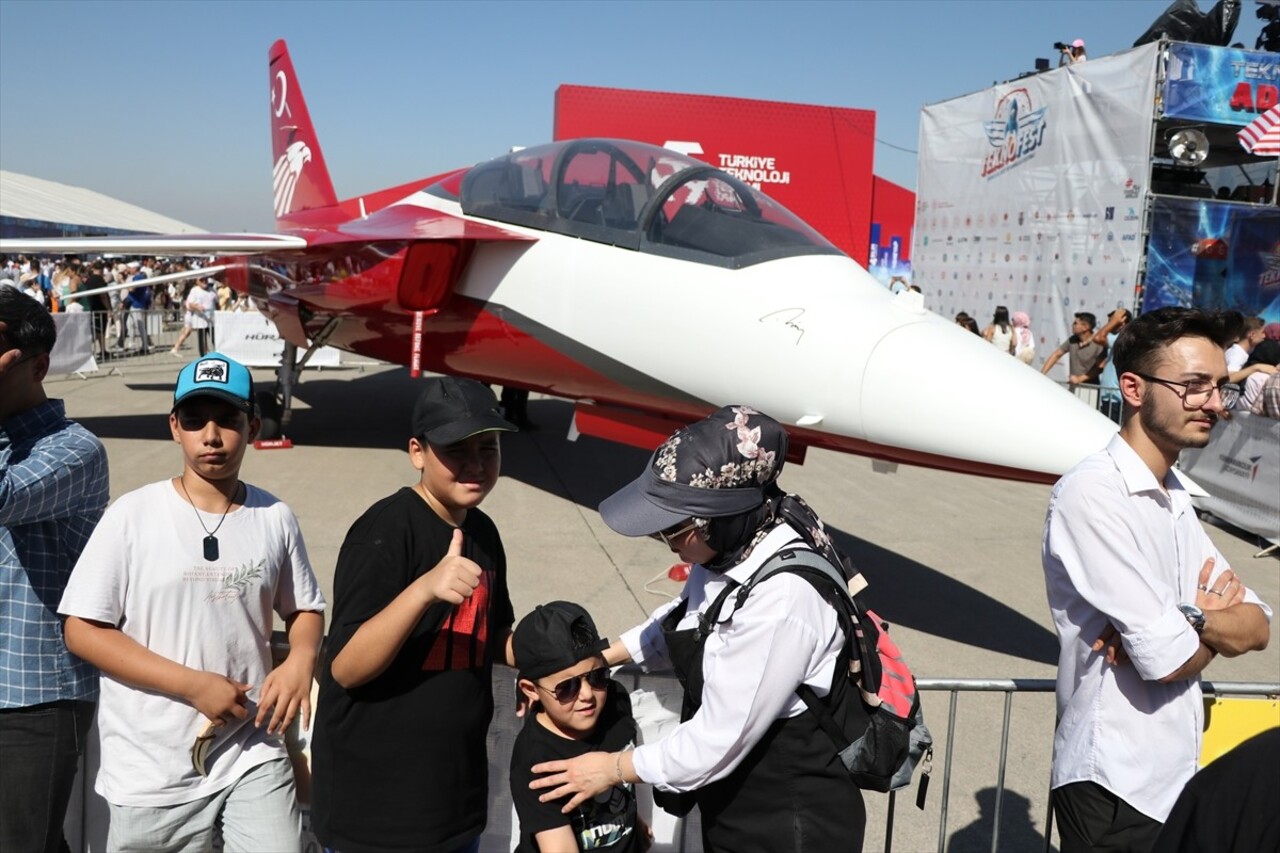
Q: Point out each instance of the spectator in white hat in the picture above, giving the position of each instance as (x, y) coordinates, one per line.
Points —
(31, 286)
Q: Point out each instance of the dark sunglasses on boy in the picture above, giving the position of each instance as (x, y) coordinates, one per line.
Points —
(566, 691)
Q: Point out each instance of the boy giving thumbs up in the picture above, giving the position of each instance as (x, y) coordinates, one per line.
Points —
(420, 613)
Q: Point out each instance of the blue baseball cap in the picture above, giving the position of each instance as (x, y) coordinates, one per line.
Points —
(215, 375)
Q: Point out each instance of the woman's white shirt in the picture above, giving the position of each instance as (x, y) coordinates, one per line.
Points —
(201, 304)
(785, 634)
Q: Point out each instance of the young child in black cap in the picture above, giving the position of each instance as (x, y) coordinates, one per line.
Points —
(574, 708)
(420, 614)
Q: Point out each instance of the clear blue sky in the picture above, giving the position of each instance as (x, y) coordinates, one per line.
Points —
(164, 104)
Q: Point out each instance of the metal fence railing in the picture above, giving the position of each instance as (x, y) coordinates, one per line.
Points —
(1105, 400)
(127, 334)
(1009, 686)
(656, 702)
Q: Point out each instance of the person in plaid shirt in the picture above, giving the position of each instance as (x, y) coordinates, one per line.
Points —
(53, 490)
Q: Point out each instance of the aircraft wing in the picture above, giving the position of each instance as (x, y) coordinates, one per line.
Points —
(157, 244)
(400, 222)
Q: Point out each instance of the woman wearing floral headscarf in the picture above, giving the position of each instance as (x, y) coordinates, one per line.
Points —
(748, 752)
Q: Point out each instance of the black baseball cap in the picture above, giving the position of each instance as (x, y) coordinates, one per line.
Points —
(451, 409)
(553, 637)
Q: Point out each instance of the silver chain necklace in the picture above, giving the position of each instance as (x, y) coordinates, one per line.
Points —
(210, 540)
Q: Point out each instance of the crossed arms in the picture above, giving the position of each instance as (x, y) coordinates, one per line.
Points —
(1111, 580)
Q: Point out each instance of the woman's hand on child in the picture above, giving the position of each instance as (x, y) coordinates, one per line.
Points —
(454, 578)
(218, 697)
(582, 777)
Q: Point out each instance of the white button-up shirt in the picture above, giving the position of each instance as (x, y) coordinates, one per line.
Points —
(1119, 548)
(784, 634)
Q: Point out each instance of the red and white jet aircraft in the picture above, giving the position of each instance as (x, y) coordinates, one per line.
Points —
(646, 286)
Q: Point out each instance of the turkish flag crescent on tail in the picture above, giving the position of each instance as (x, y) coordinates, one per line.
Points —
(1261, 137)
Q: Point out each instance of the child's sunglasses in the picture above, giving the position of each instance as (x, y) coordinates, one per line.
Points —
(566, 691)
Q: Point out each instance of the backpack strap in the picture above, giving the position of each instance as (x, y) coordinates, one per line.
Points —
(710, 617)
(798, 561)
(830, 583)
(860, 632)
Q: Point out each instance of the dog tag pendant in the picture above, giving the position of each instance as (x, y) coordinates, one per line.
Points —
(211, 547)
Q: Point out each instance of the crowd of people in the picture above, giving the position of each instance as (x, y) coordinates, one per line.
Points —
(1009, 333)
(1252, 352)
(155, 614)
(120, 298)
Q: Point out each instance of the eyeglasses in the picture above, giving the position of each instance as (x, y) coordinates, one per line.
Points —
(1197, 392)
(666, 536)
(566, 691)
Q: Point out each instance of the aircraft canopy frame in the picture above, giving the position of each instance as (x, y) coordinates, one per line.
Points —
(636, 196)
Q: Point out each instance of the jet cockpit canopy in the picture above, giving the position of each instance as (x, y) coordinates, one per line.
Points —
(635, 196)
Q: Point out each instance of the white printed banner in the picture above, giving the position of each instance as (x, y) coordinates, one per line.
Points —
(73, 351)
(1240, 468)
(1031, 195)
(251, 339)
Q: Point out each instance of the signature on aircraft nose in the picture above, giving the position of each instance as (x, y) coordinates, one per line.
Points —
(788, 317)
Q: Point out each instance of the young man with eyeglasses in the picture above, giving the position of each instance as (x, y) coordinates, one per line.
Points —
(1141, 599)
(421, 613)
(574, 708)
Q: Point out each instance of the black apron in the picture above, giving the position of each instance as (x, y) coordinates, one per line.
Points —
(790, 792)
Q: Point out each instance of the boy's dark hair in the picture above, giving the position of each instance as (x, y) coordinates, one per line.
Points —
(1230, 326)
(1139, 344)
(1088, 318)
(28, 324)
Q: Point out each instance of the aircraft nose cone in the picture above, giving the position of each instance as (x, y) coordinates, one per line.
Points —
(995, 409)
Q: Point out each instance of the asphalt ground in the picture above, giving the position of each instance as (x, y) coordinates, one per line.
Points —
(953, 560)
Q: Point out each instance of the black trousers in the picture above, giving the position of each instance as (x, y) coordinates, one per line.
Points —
(1091, 818)
(40, 748)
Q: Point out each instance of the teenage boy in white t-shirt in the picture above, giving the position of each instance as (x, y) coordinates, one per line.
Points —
(172, 599)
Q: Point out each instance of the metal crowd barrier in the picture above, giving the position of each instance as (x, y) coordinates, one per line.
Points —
(657, 711)
(118, 335)
(1093, 395)
(1008, 686)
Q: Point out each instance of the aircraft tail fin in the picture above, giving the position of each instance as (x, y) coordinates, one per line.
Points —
(300, 180)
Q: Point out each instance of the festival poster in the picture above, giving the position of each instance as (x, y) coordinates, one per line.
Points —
(1031, 194)
(1220, 85)
(1214, 255)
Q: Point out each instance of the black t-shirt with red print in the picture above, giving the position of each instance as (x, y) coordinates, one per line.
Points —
(399, 763)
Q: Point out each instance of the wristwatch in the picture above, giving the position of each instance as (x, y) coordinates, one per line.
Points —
(1194, 615)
